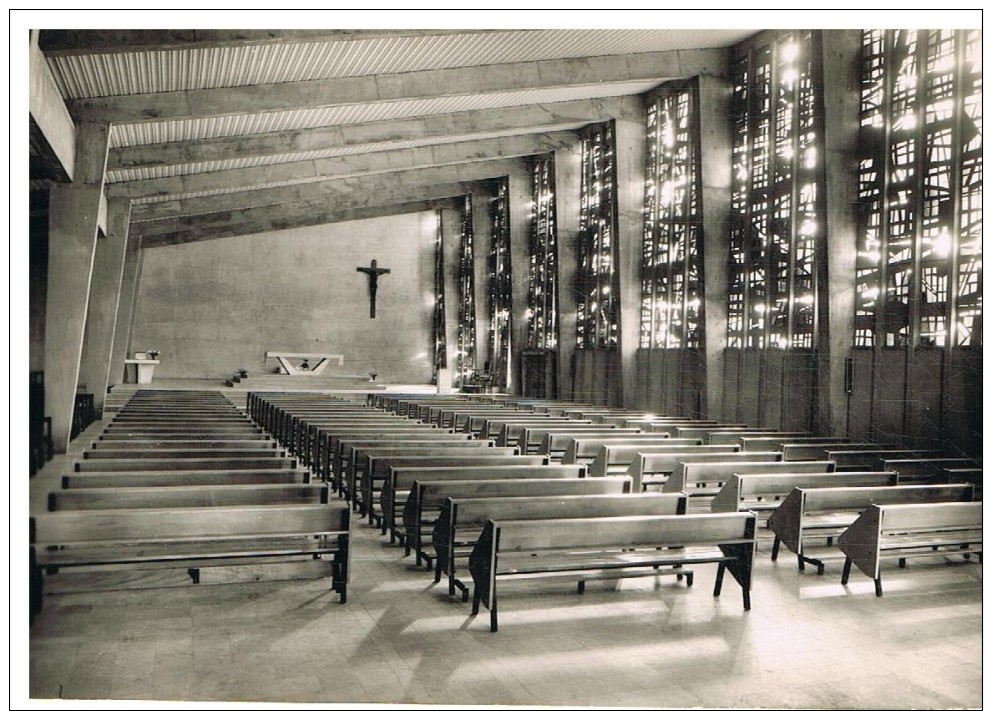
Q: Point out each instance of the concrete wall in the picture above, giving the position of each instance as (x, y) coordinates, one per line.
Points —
(212, 307)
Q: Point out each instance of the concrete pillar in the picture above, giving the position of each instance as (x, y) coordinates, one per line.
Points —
(568, 181)
(520, 219)
(841, 51)
(101, 316)
(74, 215)
(630, 139)
(128, 293)
(715, 138)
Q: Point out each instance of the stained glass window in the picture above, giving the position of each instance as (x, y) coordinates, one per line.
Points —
(919, 264)
(466, 302)
(500, 286)
(598, 322)
(776, 194)
(671, 259)
(542, 295)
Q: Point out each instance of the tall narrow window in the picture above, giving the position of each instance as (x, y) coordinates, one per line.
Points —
(500, 287)
(598, 322)
(919, 264)
(776, 195)
(671, 259)
(440, 326)
(542, 296)
(466, 301)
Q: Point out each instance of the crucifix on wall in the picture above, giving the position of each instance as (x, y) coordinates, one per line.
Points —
(373, 273)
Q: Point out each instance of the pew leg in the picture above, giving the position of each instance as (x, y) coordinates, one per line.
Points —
(437, 577)
(582, 586)
(802, 563)
(719, 579)
(902, 562)
(493, 623)
(846, 575)
(878, 586)
(775, 545)
(194, 574)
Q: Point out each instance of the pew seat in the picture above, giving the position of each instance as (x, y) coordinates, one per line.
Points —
(584, 549)
(901, 531)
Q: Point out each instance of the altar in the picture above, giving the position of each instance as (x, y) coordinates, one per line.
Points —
(144, 367)
(304, 363)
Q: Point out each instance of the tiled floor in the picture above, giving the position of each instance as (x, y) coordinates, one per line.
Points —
(807, 642)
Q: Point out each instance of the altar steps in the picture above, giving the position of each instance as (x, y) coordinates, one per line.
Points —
(282, 381)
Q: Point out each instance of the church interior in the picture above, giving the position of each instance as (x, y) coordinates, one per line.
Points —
(258, 256)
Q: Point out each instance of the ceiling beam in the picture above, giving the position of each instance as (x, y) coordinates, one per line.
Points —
(279, 222)
(346, 188)
(342, 166)
(532, 118)
(228, 219)
(512, 76)
(76, 42)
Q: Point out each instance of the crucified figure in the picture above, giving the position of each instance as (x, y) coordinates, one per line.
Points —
(373, 273)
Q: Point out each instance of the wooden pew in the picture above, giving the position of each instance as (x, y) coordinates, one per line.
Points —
(737, 436)
(126, 465)
(554, 443)
(923, 470)
(380, 462)
(702, 481)
(184, 453)
(963, 475)
(616, 458)
(823, 513)
(848, 460)
(776, 443)
(325, 444)
(582, 549)
(810, 450)
(102, 444)
(762, 492)
(343, 445)
(655, 469)
(584, 448)
(186, 477)
(403, 494)
(902, 531)
(487, 426)
(193, 538)
(144, 497)
(529, 437)
(461, 520)
(364, 486)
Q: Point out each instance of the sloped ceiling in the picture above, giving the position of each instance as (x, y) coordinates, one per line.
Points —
(267, 123)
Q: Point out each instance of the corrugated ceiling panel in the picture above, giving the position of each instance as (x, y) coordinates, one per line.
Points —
(90, 75)
(243, 124)
(223, 191)
(123, 176)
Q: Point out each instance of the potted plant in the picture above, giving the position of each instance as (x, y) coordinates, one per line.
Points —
(242, 373)
(373, 375)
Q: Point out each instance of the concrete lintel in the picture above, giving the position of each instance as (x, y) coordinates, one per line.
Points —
(49, 112)
(344, 166)
(512, 76)
(529, 118)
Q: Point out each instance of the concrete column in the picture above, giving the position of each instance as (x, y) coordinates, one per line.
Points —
(130, 276)
(101, 316)
(841, 52)
(630, 138)
(716, 141)
(568, 181)
(520, 225)
(74, 212)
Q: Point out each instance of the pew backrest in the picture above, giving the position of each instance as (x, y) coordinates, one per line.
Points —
(765, 491)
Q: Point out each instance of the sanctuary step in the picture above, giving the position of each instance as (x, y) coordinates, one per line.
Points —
(282, 381)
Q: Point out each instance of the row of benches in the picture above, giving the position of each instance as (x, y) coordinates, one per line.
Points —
(181, 480)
